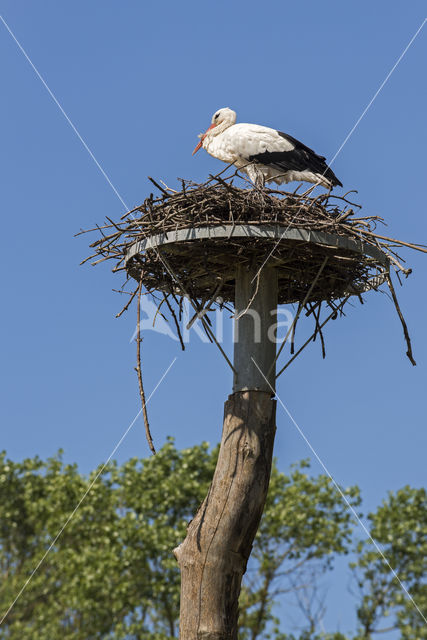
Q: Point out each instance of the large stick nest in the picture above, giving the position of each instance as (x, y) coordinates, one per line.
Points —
(203, 270)
(200, 268)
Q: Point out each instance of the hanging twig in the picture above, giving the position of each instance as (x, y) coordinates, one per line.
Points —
(128, 303)
(402, 319)
(294, 328)
(173, 314)
(317, 330)
(138, 370)
(205, 308)
(332, 315)
(307, 295)
(158, 313)
(242, 313)
(195, 307)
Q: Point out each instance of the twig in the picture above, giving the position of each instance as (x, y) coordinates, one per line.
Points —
(331, 315)
(307, 295)
(252, 298)
(128, 303)
(138, 370)
(317, 329)
(402, 319)
(156, 184)
(417, 247)
(175, 320)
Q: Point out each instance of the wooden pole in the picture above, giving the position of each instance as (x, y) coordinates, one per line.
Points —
(213, 556)
(254, 344)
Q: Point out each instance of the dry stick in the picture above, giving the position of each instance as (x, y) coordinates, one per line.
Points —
(395, 261)
(205, 325)
(294, 328)
(113, 224)
(158, 312)
(131, 211)
(402, 319)
(138, 370)
(89, 257)
(175, 320)
(317, 329)
(331, 315)
(207, 307)
(242, 313)
(100, 260)
(215, 177)
(168, 195)
(210, 333)
(417, 247)
(323, 343)
(312, 312)
(128, 303)
(168, 188)
(313, 284)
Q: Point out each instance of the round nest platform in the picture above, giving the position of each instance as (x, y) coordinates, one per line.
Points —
(188, 243)
(201, 261)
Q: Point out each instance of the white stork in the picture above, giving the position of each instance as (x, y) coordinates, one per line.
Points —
(264, 154)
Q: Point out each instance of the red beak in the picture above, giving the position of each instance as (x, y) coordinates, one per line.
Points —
(202, 138)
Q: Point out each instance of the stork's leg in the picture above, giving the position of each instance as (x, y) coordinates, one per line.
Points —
(256, 176)
(260, 180)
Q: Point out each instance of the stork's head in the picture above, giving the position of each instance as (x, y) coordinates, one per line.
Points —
(221, 120)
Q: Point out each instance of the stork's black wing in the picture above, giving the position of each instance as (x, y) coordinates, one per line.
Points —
(300, 158)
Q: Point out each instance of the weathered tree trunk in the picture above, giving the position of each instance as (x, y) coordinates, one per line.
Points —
(219, 540)
(214, 554)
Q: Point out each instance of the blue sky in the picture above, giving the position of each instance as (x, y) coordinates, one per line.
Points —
(140, 80)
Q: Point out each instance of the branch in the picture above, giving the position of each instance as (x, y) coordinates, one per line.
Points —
(138, 370)
(402, 319)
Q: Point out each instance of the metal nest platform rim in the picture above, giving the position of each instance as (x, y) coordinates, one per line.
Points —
(277, 232)
(203, 260)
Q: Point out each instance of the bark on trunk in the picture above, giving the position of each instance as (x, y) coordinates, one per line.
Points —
(213, 556)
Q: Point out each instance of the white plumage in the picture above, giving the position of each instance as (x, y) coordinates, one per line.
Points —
(264, 154)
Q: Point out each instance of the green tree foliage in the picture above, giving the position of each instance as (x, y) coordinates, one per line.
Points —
(111, 573)
(399, 529)
(305, 524)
